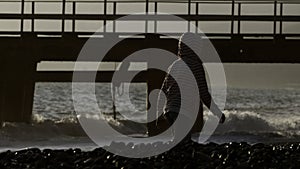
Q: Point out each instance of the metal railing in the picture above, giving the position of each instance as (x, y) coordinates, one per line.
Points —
(235, 17)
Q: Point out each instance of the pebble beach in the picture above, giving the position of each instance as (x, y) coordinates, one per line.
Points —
(187, 154)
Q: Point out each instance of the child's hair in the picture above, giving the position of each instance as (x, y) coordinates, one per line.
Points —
(184, 50)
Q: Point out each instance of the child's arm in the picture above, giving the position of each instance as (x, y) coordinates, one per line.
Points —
(161, 100)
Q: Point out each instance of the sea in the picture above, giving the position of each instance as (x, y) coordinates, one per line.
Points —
(252, 115)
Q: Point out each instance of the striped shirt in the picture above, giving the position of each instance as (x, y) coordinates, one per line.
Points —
(171, 89)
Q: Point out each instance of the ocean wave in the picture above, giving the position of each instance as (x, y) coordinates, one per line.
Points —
(236, 121)
(244, 125)
(251, 122)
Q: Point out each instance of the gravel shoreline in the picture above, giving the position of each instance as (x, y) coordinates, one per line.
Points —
(186, 155)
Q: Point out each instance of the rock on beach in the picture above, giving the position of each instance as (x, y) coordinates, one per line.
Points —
(185, 155)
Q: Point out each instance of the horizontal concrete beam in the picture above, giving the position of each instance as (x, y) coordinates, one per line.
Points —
(237, 49)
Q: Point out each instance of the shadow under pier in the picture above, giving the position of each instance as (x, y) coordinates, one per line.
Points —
(22, 50)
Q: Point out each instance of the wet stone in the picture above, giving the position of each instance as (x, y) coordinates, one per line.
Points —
(186, 154)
